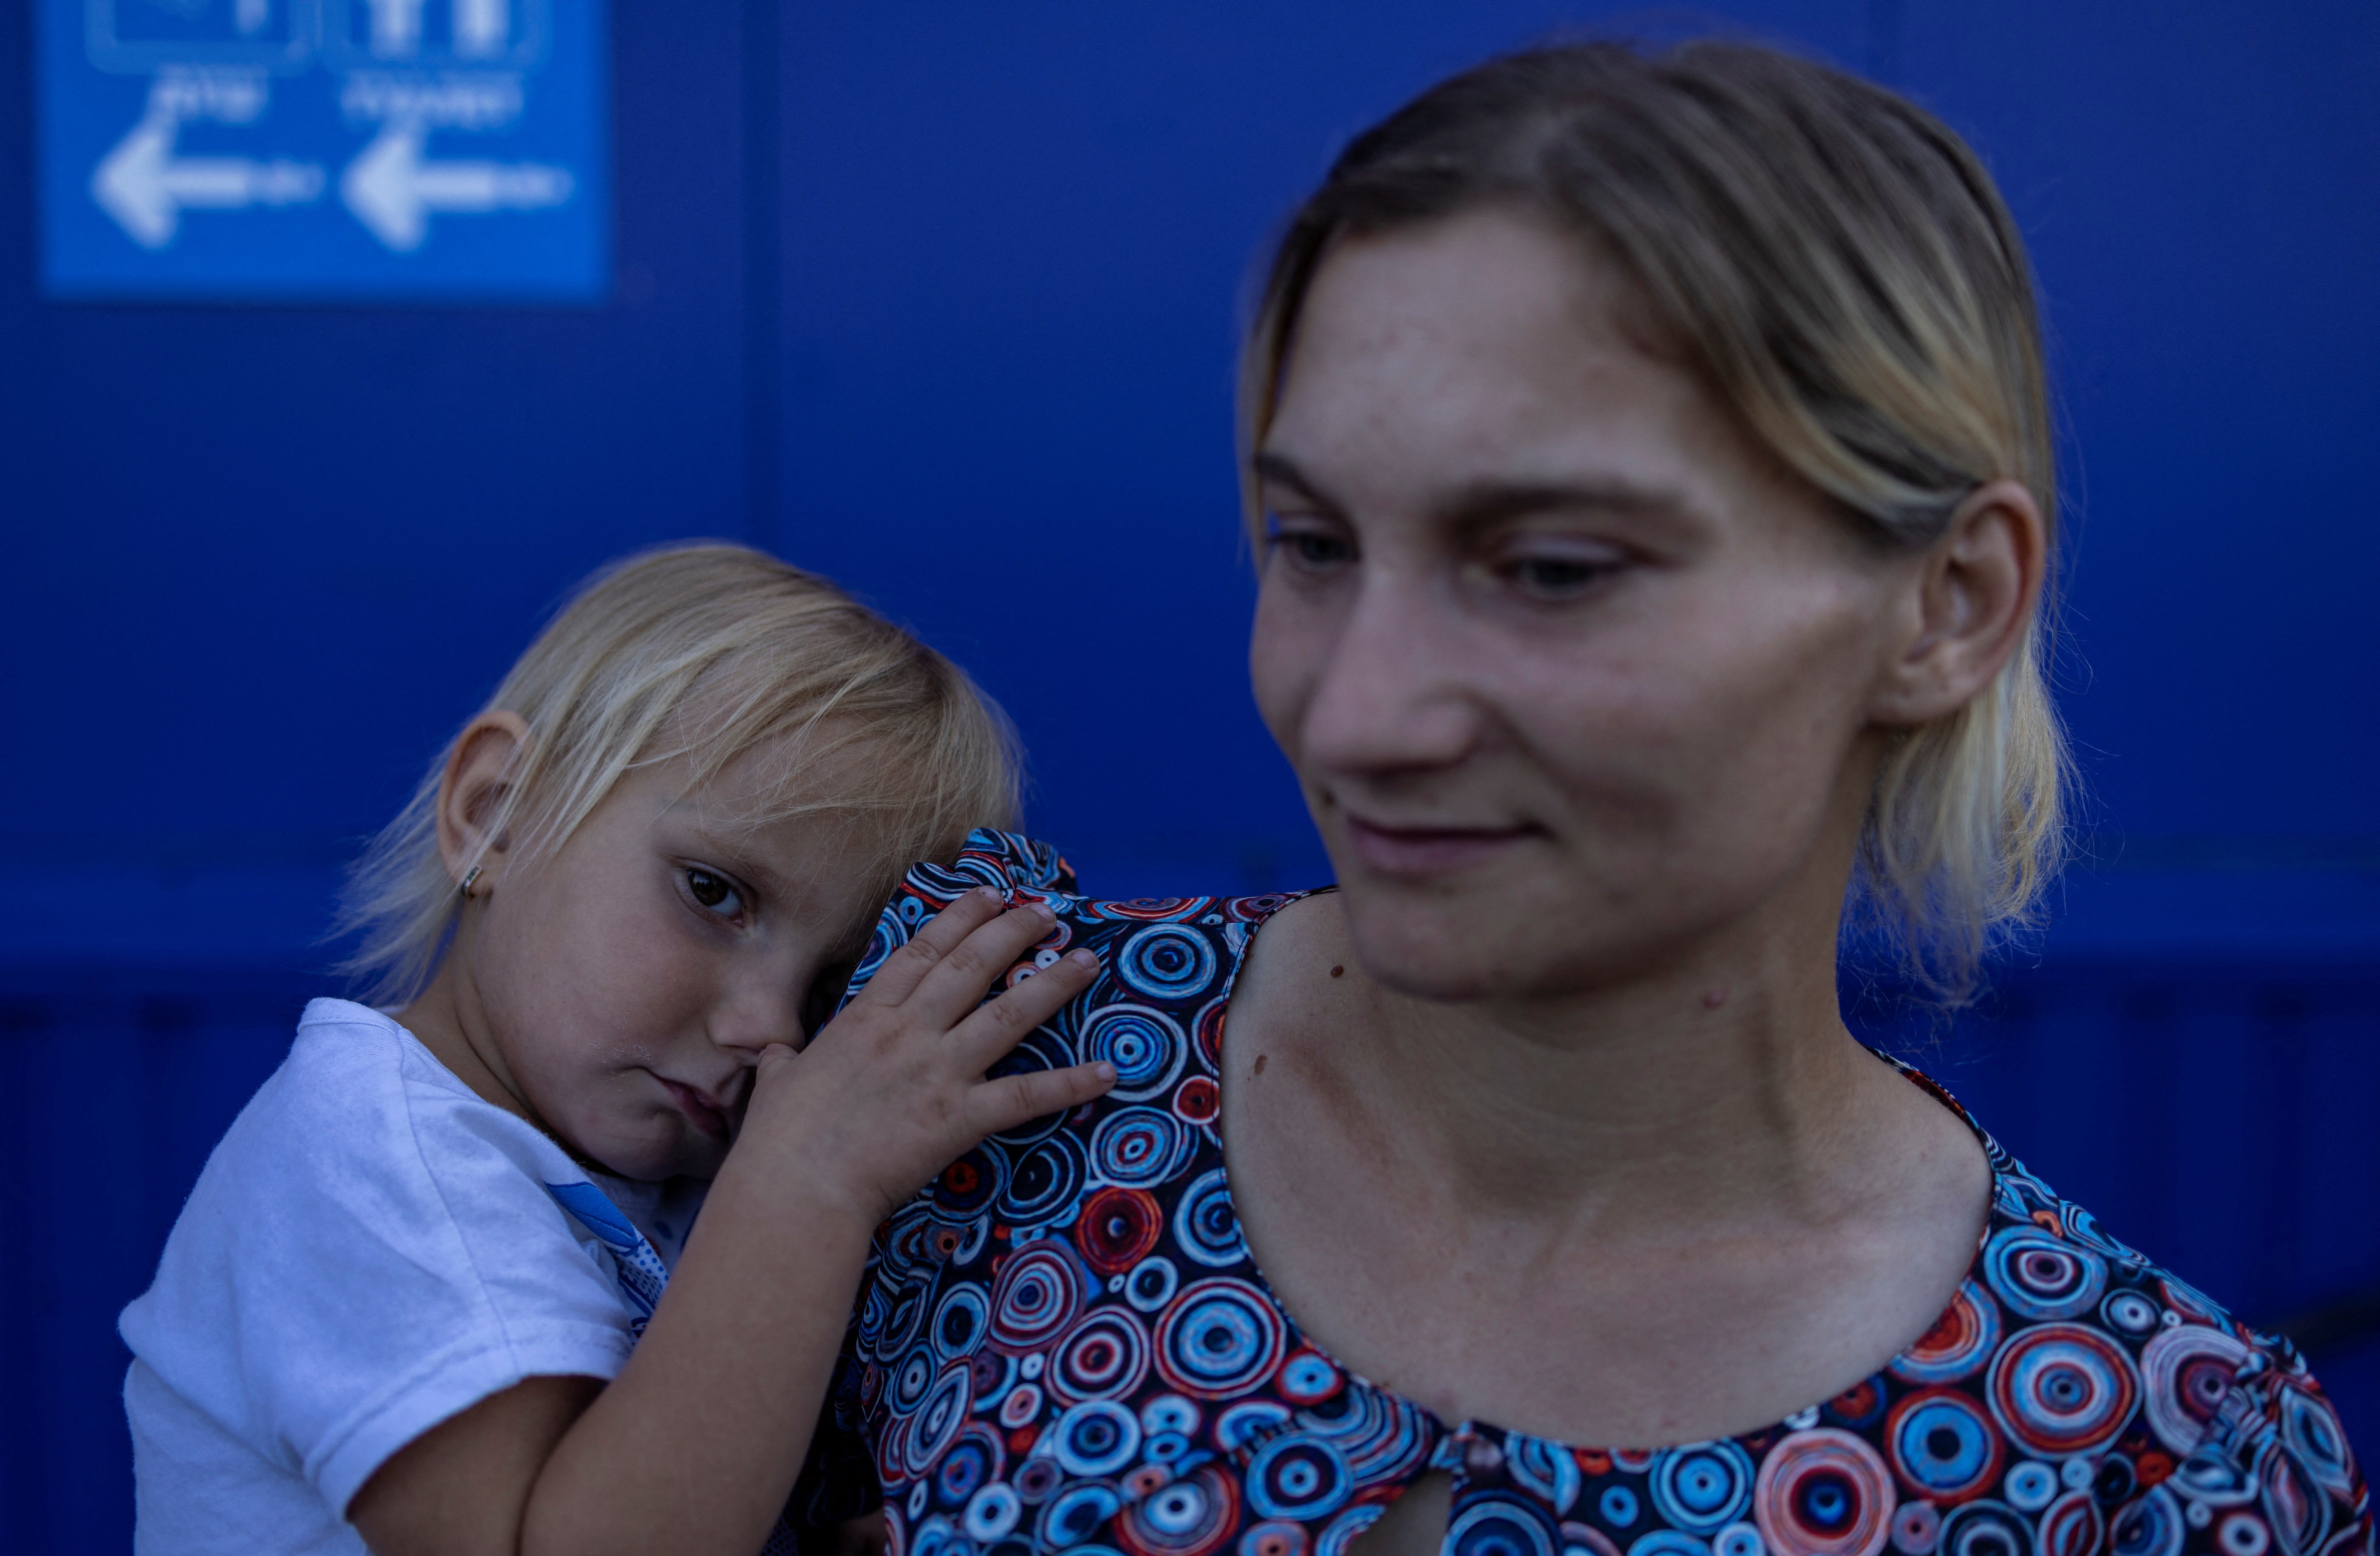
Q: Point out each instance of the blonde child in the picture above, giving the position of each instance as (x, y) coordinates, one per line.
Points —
(435, 1291)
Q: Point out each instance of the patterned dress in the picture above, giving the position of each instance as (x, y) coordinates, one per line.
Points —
(1064, 1346)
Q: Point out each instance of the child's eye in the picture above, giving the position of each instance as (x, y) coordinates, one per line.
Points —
(713, 892)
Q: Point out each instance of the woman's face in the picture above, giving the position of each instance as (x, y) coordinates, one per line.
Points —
(1575, 678)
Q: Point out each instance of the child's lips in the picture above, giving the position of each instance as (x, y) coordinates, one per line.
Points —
(707, 1115)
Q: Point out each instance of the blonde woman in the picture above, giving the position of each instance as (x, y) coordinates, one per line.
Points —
(440, 1288)
(1650, 466)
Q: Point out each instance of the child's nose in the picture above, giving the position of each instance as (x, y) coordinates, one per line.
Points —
(756, 1014)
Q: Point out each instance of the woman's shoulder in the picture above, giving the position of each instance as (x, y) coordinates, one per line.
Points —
(1155, 1012)
(1164, 954)
(1028, 870)
(2083, 1348)
(1097, 1190)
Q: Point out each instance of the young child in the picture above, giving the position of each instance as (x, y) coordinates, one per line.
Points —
(428, 1294)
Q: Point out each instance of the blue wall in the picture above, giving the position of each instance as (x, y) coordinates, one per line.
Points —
(938, 298)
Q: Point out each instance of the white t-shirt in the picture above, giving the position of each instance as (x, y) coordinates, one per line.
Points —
(371, 1250)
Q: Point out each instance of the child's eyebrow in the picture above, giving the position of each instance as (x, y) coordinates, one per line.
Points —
(772, 885)
(739, 859)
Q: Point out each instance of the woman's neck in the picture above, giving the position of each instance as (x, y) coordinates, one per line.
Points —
(1724, 1084)
(1698, 1179)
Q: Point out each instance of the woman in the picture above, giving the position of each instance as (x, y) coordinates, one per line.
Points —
(1651, 460)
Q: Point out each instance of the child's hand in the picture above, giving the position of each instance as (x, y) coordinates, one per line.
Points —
(891, 1090)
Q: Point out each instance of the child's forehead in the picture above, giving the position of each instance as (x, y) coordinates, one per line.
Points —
(792, 774)
(762, 817)
(764, 805)
(804, 806)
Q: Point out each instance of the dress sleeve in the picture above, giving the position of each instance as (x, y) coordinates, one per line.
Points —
(838, 1480)
(1020, 869)
(2274, 1456)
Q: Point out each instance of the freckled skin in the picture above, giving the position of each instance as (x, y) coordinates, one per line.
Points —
(641, 995)
(581, 987)
(1588, 697)
(1674, 740)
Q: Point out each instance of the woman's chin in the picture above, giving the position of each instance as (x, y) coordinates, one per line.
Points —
(1498, 950)
(1428, 953)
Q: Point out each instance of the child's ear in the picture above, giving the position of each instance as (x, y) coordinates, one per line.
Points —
(471, 796)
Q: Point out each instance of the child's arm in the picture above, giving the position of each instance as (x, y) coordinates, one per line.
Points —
(694, 1447)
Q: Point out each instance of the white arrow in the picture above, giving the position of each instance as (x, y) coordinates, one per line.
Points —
(146, 187)
(392, 190)
(395, 27)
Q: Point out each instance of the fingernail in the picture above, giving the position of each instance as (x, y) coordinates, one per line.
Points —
(1104, 1070)
(1083, 958)
(1042, 910)
(987, 894)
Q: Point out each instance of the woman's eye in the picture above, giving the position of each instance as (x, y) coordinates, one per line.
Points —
(713, 892)
(1313, 551)
(1558, 578)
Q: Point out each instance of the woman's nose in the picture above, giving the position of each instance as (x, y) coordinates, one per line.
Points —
(1391, 694)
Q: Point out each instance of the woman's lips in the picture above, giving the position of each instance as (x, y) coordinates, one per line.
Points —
(1426, 850)
(707, 1115)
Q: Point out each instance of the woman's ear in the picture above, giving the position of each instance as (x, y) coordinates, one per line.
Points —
(1974, 595)
(471, 794)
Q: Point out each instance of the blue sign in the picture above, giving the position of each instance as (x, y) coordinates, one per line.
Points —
(325, 149)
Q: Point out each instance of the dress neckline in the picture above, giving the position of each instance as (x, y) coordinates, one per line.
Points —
(1473, 1427)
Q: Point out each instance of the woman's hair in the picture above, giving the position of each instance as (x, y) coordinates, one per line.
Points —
(701, 653)
(1837, 267)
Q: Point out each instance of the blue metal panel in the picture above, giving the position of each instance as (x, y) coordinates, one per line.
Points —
(279, 150)
(939, 298)
(2201, 187)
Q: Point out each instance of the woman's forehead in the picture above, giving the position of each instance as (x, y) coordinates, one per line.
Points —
(1489, 280)
(1486, 348)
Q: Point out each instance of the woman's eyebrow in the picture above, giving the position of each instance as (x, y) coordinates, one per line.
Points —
(1484, 504)
(1282, 471)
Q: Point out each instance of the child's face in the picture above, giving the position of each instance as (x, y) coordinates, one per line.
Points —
(628, 986)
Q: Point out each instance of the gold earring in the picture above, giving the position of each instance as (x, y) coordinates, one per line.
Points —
(469, 876)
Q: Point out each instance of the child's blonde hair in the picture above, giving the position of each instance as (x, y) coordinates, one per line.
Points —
(702, 652)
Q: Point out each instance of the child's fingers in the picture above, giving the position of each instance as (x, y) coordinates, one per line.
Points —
(942, 934)
(1000, 1024)
(995, 1105)
(956, 984)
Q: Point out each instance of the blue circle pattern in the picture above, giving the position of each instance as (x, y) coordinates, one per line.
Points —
(1146, 1049)
(1205, 1224)
(1242, 1438)
(1299, 1475)
(1136, 1148)
(1943, 1446)
(1701, 1488)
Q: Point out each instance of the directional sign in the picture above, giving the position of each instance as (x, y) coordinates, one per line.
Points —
(325, 149)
